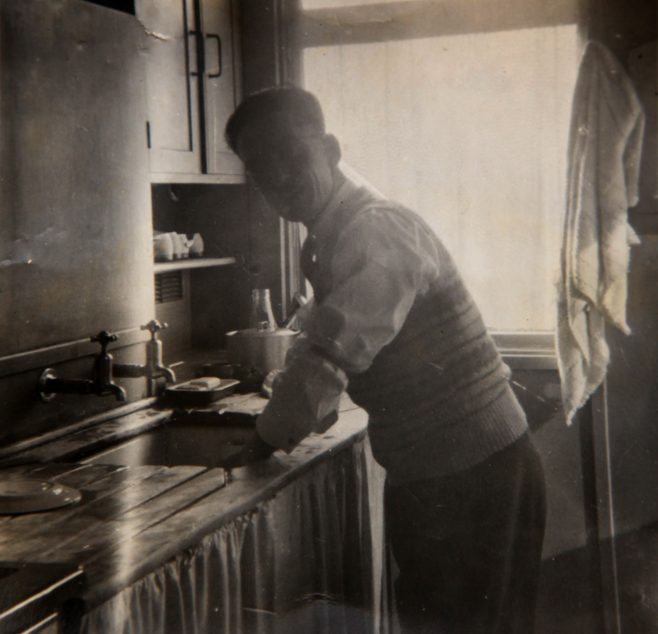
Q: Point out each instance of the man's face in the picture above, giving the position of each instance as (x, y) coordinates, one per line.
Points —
(292, 166)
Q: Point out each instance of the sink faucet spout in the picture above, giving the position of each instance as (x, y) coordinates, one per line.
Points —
(116, 390)
(166, 372)
(102, 384)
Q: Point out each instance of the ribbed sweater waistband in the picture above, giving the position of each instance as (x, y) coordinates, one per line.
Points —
(446, 448)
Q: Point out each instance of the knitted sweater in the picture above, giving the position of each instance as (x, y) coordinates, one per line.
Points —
(437, 395)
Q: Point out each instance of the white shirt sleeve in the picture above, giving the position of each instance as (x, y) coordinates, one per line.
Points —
(382, 263)
(304, 398)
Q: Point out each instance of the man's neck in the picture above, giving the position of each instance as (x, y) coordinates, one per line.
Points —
(339, 179)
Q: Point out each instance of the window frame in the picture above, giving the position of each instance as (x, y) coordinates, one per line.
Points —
(425, 18)
(413, 19)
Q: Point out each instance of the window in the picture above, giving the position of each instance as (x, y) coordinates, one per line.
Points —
(470, 130)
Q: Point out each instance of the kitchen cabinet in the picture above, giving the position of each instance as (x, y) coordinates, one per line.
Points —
(193, 84)
(222, 90)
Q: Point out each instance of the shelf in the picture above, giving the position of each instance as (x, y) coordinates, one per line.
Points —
(191, 263)
(197, 179)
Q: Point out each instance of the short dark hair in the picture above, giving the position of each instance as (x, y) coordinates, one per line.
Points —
(300, 103)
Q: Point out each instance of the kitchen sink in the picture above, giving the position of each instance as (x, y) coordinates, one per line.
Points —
(176, 442)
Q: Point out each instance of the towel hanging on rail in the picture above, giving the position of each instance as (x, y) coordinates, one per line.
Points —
(605, 145)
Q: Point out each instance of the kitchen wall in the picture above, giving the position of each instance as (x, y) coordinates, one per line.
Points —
(632, 398)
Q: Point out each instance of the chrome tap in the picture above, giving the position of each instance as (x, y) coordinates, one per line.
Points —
(104, 367)
(102, 384)
(154, 367)
(154, 352)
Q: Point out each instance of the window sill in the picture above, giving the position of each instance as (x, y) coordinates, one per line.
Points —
(527, 350)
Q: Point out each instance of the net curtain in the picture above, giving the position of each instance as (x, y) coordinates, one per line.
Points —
(310, 559)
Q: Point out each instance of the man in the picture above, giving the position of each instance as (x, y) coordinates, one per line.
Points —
(392, 323)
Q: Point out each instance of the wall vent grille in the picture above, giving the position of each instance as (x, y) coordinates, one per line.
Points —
(168, 287)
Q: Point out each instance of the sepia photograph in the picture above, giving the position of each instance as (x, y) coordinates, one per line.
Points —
(328, 317)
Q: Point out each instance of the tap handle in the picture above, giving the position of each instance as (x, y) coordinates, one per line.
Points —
(154, 326)
(104, 338)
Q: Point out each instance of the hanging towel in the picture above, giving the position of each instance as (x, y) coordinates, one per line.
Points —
(605, 144)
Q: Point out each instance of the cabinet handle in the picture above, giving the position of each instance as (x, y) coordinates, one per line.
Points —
(194, 34)
(218, 72)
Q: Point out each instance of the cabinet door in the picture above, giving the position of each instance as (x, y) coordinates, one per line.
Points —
(222, 90)
(171, 85)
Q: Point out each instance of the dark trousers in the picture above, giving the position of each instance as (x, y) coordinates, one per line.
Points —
(468, 546)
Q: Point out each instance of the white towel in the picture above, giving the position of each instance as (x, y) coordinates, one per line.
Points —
(605, 146)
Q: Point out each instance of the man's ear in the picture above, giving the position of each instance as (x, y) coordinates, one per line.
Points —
(332, 148)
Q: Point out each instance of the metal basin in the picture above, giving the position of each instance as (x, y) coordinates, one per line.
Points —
(176, 443)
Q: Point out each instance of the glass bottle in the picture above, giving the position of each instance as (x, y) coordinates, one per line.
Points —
(262, 317)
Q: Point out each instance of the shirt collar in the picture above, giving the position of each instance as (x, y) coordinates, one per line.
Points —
(347, 194)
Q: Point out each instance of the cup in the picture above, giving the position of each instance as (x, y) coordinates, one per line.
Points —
(163, 248)
(178, 246)
(196, 246)
(184, 245)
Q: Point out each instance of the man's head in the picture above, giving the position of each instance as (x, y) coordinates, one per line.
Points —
(280, 136)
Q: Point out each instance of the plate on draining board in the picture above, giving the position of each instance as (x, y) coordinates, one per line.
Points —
(19, 494)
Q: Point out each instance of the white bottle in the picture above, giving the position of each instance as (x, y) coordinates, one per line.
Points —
(262, 317)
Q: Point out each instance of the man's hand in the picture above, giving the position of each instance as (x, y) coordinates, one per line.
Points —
(254, 450)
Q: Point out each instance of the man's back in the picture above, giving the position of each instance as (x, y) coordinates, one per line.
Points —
(437, 393)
